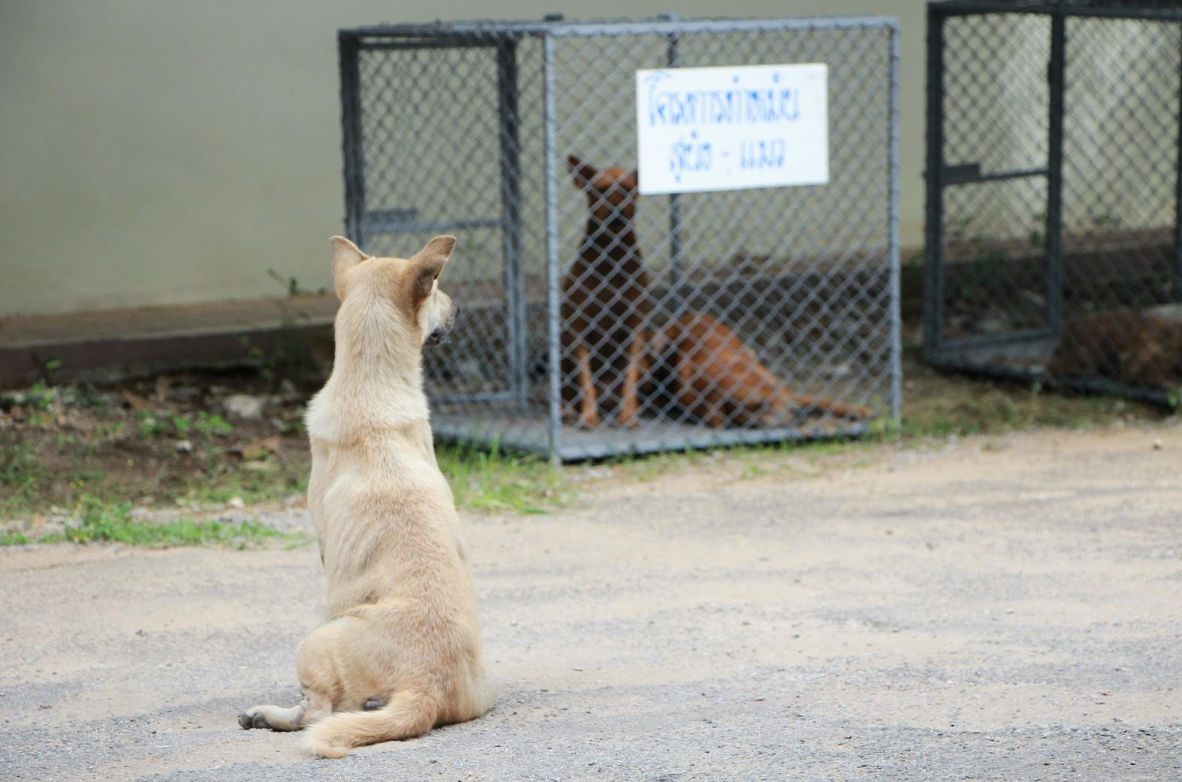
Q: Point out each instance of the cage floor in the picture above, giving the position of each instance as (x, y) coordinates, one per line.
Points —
(1026, 360)
(526, 430)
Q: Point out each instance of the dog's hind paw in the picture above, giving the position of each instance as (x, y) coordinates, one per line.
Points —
(326, 747)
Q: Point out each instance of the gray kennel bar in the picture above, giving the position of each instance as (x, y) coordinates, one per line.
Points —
(1054, 244)
(466, 128)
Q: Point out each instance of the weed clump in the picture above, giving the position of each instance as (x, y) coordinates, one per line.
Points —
(113, 522)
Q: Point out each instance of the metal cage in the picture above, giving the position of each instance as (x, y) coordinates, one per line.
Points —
(1054, 245)
(750, 316)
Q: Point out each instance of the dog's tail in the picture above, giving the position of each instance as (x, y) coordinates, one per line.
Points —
(408, 714)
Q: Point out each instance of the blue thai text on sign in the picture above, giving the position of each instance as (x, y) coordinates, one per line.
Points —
(732, 128)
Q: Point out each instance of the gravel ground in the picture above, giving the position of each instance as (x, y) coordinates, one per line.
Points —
(1005, 608)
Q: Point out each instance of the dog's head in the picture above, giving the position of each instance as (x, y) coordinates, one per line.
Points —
(403, 291)
(611, 192)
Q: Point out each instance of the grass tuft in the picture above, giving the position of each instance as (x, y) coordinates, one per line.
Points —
(106, 522)
(489, 480)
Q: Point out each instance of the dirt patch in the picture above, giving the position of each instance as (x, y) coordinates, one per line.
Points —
(195, 440)
(210, 442)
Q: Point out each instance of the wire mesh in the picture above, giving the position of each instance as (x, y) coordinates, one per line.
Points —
(595, 321)
(1053, 247)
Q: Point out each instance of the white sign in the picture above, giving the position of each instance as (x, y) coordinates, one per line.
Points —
(701, 129)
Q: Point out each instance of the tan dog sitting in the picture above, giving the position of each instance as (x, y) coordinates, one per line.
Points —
(401, 651)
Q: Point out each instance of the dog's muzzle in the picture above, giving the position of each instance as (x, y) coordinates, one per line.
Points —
(440, 334)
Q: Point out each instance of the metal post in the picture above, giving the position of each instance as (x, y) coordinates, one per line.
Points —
(552, 271)
(1177, 288)
(514, 276)
(933, 288)
(1054, 311)
(676, 283)
(348, 47)
(893, 225)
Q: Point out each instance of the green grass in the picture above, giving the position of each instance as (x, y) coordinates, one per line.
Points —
(986, 407)
(489, 480)
(66, 468)
(270, 481)
(21, 476)
(105, 522)
(203, 424)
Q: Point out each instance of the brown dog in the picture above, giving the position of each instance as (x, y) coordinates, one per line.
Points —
(605, 301)
(1136, 347)
(697, 360)
(715, 378)
(401, 651)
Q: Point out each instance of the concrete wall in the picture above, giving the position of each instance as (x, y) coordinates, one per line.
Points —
(156, 153)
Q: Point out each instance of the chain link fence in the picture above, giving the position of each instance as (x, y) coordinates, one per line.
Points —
(593, 320)
(1053, 176)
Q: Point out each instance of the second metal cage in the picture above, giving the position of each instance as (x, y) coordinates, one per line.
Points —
(1054, 244)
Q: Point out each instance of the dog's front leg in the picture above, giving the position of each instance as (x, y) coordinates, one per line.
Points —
(630, 404)
(589, 405)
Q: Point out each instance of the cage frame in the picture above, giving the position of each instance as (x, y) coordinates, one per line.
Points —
(505, 37)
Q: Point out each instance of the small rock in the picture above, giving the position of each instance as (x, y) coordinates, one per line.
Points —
(1158, 444)
(184, 393)
(244, 406)
(235, 502)
(134, 400)
(163, 386)
(184, 446)
(288, 391)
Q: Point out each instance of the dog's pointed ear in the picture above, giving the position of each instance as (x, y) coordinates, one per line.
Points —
(345, 256)
(583, 174)
(429, 263)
